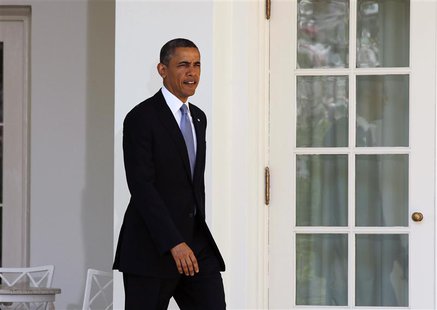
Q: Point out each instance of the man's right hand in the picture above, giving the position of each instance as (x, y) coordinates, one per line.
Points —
(185, 259)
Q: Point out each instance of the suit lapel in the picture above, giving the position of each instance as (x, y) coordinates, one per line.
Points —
(169, 122)
(200, 138)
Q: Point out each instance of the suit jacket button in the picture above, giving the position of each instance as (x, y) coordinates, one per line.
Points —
(191, 214)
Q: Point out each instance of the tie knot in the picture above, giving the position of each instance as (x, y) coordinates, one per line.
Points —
(184, 109)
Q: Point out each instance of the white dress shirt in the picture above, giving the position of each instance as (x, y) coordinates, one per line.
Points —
(175, 105)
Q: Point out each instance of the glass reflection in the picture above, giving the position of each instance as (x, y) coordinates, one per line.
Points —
(383, 33)
(321, 190)
(381, 190)
(322, 33)
(382, 270)
(382, 110)
(321, 269)
(322, 111)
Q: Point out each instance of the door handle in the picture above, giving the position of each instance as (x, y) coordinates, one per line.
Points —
(417, 216)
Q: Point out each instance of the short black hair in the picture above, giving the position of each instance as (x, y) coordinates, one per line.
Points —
(168, 49)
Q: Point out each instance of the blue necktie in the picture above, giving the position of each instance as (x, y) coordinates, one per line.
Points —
(187, 132)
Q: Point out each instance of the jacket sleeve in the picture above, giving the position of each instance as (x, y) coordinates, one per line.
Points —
(140, 174)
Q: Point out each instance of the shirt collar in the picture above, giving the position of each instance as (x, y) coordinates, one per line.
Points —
(173, 102)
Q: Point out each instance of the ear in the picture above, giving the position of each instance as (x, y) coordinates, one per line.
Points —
(162, 70)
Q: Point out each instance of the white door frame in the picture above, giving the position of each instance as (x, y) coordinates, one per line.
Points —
(239, 127)
(16, 214)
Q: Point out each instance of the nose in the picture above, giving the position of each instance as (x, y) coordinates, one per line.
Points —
(193, 69)
(190, 70)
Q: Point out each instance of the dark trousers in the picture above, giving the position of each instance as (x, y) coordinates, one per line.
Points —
(203, 291)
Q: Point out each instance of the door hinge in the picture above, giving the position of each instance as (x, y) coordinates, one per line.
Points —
(268, 9)
(267, 185)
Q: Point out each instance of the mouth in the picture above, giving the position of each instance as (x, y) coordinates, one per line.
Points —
(190, 83)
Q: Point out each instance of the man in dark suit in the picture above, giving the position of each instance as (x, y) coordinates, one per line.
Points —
(165, 248)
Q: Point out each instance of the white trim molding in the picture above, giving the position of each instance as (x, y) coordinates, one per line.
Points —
(16, 169)
(239, 128)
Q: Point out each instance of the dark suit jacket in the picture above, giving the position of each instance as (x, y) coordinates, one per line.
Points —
(163, 193)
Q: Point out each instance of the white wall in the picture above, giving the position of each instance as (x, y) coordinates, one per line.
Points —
(72, 106)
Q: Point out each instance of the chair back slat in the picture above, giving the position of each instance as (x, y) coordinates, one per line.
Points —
(12, 278)
(37, 278)
(40, 276)
(98, 290)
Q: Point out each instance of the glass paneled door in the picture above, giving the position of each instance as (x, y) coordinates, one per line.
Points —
(352, 154)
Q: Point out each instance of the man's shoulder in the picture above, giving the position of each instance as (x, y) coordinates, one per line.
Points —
(146, 107)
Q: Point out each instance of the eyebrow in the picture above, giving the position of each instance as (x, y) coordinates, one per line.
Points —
(186, 62)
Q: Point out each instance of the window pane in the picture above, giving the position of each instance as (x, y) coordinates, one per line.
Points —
(382, 110)
(322, 111)
(383, 33)
(321, 269)
(322, 33)
(381, 190)
(321, 193)
(382, 270)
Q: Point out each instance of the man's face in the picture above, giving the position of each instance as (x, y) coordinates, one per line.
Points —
(182, 73)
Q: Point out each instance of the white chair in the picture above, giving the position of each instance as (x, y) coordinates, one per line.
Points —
(40, 276)
(98, 290)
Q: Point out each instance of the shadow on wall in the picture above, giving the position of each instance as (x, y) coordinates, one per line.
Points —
(97, 206)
